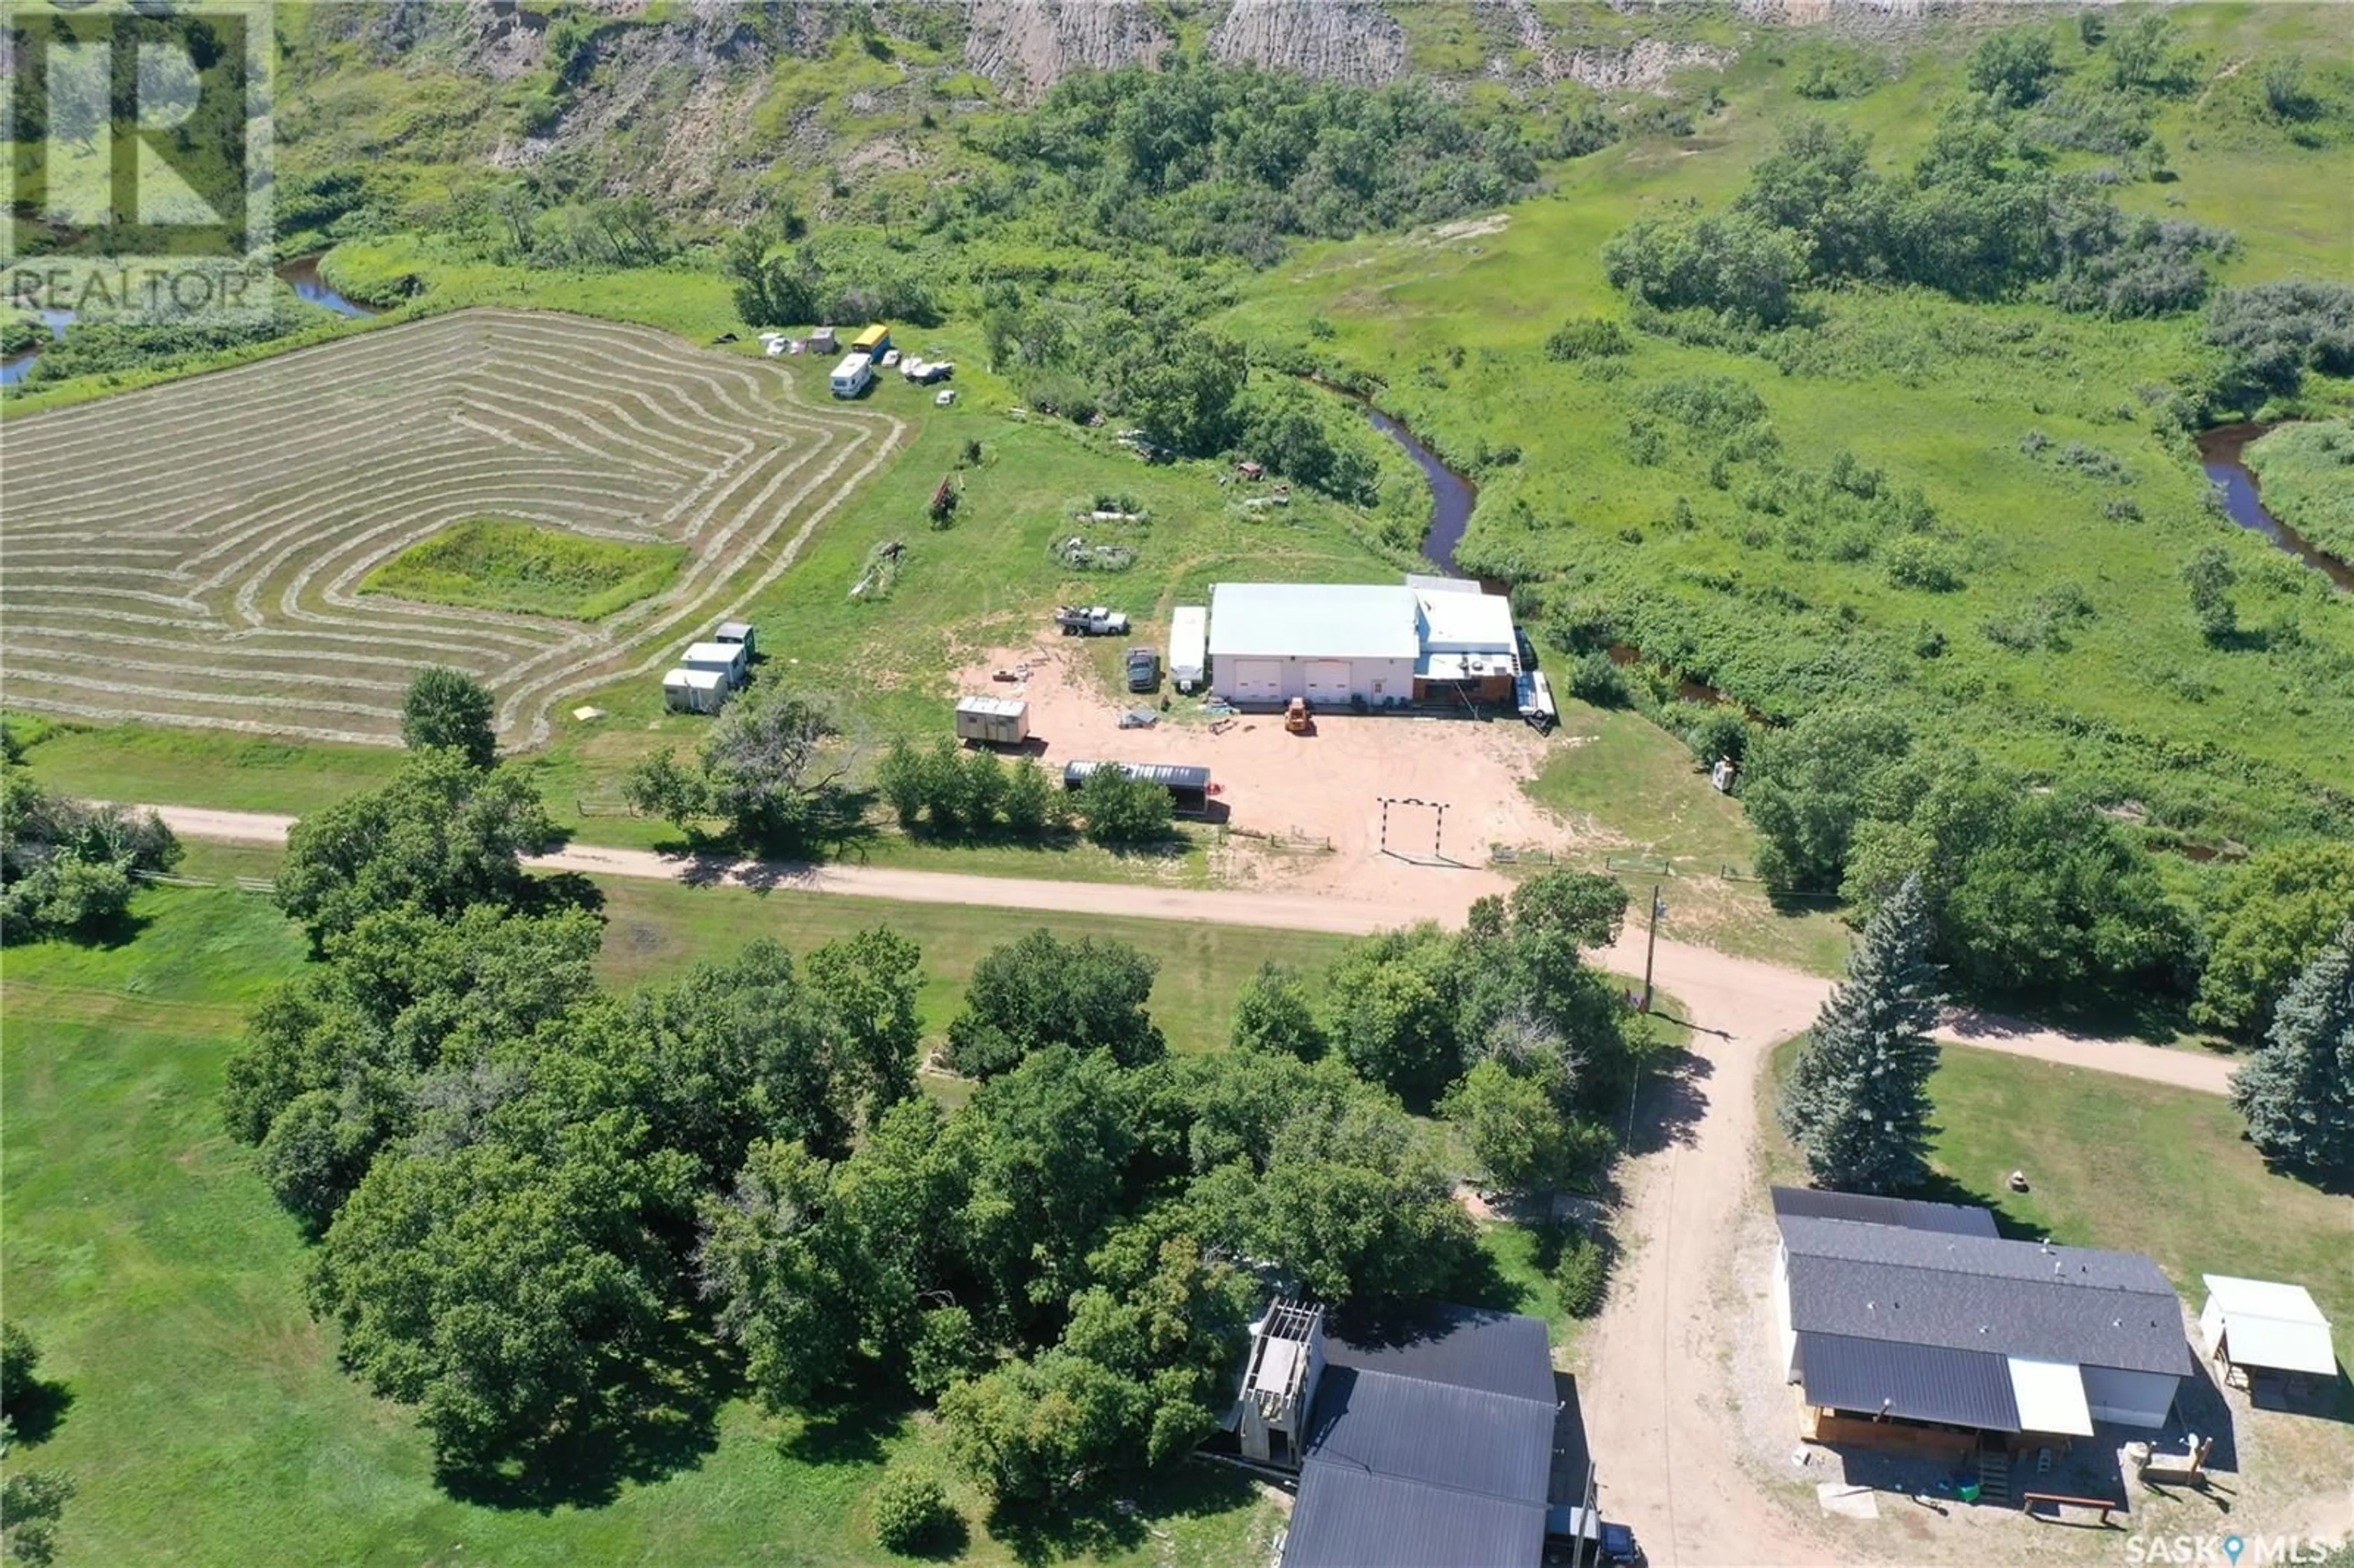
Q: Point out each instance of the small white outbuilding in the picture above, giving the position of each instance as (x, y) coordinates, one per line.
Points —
(694, 691)
(730, 660)
(2259, 1325)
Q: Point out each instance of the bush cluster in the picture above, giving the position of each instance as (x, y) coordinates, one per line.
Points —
(948, 790)
(69, 869)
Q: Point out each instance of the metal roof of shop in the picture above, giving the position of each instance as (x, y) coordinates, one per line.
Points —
(1313, 620)
(1911, 1214)
(1983, 1293)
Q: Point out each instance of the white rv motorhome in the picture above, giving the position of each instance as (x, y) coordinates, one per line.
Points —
(853, 376)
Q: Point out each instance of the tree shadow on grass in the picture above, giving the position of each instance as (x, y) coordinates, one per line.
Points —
(848, 1433)
(658, 1419)
(1103, 1525)
(35, 1412)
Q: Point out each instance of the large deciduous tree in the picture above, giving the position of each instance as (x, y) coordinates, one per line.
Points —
(508, 1292)
(770, 769)
(2298, 1091)
(449, 708)
(1804, 790)
(1857, 1103)
(1272, 1012)
(441, 836)
(2265, 924)
(1040, 990)
(395, 1028)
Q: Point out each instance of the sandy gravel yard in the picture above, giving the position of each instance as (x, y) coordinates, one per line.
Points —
(1322, 787)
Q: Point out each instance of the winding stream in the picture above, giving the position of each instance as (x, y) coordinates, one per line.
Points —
(1452, 496)
(2220, 452)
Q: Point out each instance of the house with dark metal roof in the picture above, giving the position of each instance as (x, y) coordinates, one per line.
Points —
(1428, 1447)
(1909, 1323)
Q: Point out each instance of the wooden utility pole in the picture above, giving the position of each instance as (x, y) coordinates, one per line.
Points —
(1651, 948)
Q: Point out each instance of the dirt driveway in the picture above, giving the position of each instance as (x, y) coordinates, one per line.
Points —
(1320, 786)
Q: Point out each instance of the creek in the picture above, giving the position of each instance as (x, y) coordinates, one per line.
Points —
(1452, 496)
(2220, 453)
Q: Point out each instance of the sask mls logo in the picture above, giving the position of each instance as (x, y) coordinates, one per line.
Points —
(2227, 1551)
(138, 140)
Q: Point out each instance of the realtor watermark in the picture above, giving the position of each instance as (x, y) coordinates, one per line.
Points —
(2246, 1549)
(140, 186)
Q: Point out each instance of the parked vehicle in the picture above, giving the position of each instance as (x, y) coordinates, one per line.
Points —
(1295, 716)
(1574, 1533)
(1143, 670)
(1091, 620)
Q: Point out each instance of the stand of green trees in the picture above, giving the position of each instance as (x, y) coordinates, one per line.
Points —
(552, 1216)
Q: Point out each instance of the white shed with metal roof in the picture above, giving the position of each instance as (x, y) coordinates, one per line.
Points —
(2265, 1326)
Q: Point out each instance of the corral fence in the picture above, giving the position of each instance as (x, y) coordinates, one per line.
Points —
(1511, 855)
(1639, 864)
(603, 806)
(165, 879)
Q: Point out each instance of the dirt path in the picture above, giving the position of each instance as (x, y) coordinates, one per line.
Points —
(1744, 988)
(1654, 1398)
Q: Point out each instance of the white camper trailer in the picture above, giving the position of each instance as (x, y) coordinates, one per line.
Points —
(694, 691)
(993, 721)
(853, 376)
(1188, 644)
(728, 660)
(738, 632)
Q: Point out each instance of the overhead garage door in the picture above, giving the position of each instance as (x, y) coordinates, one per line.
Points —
(1257, 681)
(1328, 681)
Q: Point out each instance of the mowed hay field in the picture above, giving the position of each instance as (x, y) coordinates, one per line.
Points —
(192, 553)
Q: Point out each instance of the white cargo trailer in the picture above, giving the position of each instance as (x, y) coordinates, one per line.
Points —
(1189, 645)
(694, 691)
(730, 660)
(993, 721)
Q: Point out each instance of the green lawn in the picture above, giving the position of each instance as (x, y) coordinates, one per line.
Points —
(1652, 817)
(497, 563)
(2115, 1163)
(208, 1423)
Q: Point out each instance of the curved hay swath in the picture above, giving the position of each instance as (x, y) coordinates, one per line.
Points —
(190, 555)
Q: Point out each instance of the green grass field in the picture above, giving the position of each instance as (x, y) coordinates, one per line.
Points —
(497, 563)
(1933, 392)
(2115, 1163)
(1653, 818)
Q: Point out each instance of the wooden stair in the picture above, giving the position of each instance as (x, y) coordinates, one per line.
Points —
(1994, 1476)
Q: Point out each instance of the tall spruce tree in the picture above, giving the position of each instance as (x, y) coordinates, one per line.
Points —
(2297, 1090)
(1858, 1103)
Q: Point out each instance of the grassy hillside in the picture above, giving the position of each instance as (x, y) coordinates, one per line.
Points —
(2036, 437)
